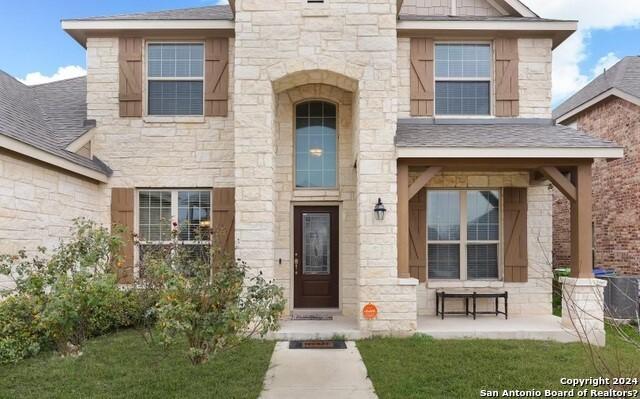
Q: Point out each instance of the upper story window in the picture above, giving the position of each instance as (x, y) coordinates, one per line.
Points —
(316, 145)
(463, 79)
(175, 79)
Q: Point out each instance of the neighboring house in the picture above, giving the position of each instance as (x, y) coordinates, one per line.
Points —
(608, 108)
(282, 124)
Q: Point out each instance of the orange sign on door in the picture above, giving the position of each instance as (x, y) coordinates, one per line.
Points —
(370, 311)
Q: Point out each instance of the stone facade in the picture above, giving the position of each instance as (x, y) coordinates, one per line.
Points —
(616, 192)
(530, 298)
(344, 195)
(534, 72)
(39, 204)
(583, 309)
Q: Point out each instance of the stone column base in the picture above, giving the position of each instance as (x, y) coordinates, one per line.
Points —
(583, 308)
(397, 308)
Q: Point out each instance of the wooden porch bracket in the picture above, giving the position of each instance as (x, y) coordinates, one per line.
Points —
(423, 180)
(562, 183)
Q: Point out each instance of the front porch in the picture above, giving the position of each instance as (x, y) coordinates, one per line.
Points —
(541, 328)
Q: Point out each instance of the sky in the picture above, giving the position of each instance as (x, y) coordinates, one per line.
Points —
(36, 50)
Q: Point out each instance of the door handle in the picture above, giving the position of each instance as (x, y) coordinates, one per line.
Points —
(295, 263)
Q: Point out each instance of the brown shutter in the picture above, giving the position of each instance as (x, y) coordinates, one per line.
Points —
(130, 61)
(122, 215)
(507, 89)
(418, 236)
(216, 76)
(515, 235)
(224, 209)
(421, 77)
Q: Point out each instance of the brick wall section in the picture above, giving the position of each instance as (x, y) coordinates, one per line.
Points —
(39, 203)
(616, 191)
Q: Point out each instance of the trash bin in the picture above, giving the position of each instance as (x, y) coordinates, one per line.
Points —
(621, 297)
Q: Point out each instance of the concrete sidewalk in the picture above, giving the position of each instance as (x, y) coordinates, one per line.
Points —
(317, 373)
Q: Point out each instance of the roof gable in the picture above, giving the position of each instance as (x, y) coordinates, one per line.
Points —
(467, 8)
(45, 118)
(623, 77)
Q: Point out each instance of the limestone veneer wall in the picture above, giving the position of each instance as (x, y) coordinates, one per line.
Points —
(287, 196)
(157, 152)
(530, 298)
(38, 203)
(355, 41)
(534, 73)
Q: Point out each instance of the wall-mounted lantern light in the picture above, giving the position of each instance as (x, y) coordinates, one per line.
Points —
(379, 210)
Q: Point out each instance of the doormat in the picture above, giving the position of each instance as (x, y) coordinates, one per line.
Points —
(311, 317)
(317, 344)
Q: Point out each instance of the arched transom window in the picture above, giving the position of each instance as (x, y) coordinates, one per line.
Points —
(316, 145)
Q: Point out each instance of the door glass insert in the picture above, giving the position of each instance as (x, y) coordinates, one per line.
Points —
(316, 243)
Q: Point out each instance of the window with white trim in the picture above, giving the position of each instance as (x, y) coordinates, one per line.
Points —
(463, 79)
(186, 211)
(463, 234)
(175, 79)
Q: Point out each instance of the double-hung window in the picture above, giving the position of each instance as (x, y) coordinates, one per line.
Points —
(158, 210)
(463, 79)
(463, 234)
(175, 75)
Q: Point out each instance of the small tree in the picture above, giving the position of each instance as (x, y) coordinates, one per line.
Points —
(211, 299)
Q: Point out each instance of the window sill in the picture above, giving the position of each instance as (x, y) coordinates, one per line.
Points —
(173, 119)
(465, 284)
(304, 193)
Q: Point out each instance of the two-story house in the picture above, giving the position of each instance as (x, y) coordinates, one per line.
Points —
(608, 108)
(356, 152)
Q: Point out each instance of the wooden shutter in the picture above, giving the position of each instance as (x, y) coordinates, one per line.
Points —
(122, 215)
(130, 65)
(224, 213)
(507, 88)
(418, 236)
(216, 87)
(515, 235)
(422, 91)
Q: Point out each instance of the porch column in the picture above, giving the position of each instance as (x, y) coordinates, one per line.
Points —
(581, 228)
(403, 220)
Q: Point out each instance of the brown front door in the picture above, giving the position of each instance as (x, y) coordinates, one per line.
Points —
(315, 257)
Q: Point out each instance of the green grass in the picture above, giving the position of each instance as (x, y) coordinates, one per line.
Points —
(421, 367)
(122, 365)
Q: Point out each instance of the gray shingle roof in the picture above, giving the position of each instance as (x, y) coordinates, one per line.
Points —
(624, 76)
(221, 12)
(47, 117)
(492, 134)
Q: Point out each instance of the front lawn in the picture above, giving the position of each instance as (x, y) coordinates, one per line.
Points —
(122, 365)
(421, 367)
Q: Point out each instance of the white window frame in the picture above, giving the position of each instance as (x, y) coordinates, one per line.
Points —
(147, 78)
(174, 217)
(463, 242)
(475, 79)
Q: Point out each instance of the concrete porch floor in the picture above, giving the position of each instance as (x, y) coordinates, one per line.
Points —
(547, 328)
(452, 327)
(344, 327)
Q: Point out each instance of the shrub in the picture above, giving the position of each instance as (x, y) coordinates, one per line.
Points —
(66, 298)
(21, 330)
(214, 301)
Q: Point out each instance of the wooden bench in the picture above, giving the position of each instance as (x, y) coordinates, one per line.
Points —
(442, 296)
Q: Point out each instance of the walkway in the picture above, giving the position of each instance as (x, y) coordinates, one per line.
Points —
(317, 373)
